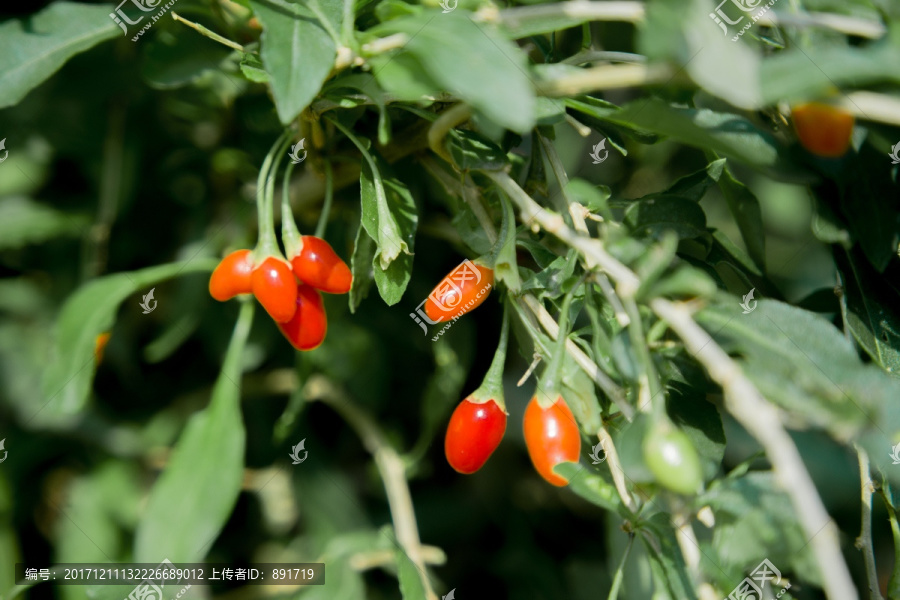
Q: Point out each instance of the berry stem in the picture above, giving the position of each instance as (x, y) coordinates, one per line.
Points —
(491, 387)
(550, 383)
(267, 244)
(290, 235)
(329, 196)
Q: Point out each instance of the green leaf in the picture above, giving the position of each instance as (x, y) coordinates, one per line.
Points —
(593, 197)
(403, 76)
(361, 267)
(655, 261)
(629, 440)
(393, 9)
(656, 216)
(590, 485)
(801, 362)
(872, 305)
(685, 281)
(442, 391)
(666, 559)
(408, 574)
(503, 258)
(390, 218)
(23, 221)
(755, 518)
(470, 150)
(726, 69)
(9, 546)
(253, 69)
(521, 23)
(728, 134)
(550, 279)
(91, 310)
(869, 203)
(297, 51)
(549, 111)
(448, 45)
(600, 114)
(694, 186)
(365, 84)
(701, 422)
(580, 394)
(195, 494)
(173, 61)
(343, 583)
(94, 503)
(724, 250)
(747, 214)
(798, 74)
(33, 49)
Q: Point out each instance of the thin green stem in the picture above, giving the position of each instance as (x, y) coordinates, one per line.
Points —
(864, 541)
(208, 33)
(550, 382)
(491, 387)
(267, 244)
(390, 467)
(290, 235)
(617, 579)
(329, 196)
(347, 24)
(586, 36)
(893, 589)
(324, 21)
(650, 386)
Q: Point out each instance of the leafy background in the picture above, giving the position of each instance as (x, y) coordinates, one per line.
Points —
(132, 166)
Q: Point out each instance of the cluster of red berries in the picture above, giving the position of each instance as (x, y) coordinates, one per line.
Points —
(479, 422)
(476, 428)
(288, 290)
